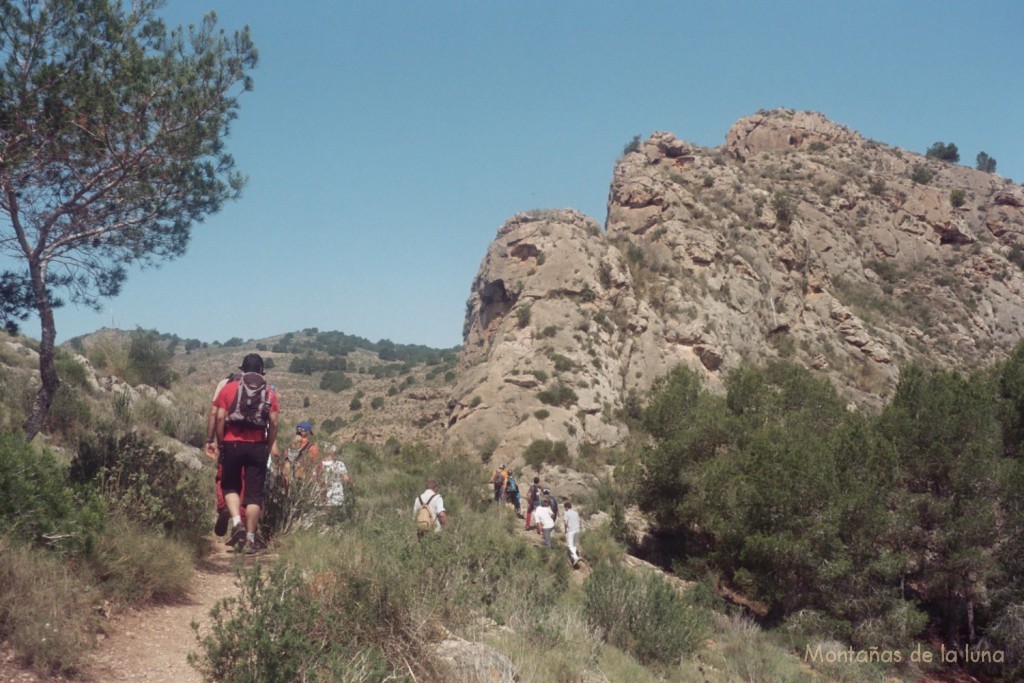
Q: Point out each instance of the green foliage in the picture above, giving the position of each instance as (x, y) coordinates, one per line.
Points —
(377, 402)
(983, 162)
(336, 381)
(376, 589)
(943, 152)
(522, 315)
(144, 484)
(957, 197)
(558, 395)
(921, 175)
(331, 425)
(149, 361)
(746, 482)
(89, 204)
(307, 364)
(643, 614)
(37, 502)
(546, 451)
(631, 146)
(784, 209)
(946, 509)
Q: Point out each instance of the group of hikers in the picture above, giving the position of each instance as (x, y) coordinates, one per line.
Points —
(241, 435)
(541, 509)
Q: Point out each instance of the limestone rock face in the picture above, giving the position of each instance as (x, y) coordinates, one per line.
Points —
(798, 239)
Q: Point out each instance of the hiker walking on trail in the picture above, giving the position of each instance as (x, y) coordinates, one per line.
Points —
(544, 520)
(532, 499)
(571, 520)
(500, 481)
(212, 451)
(513, 494)
(428, 510)
(246, 426)
(303, 463)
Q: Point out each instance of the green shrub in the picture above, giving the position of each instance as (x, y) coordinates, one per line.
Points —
(631, 146)
(149, 361)
(36, 502)
(921, 175)
(943, 152)
(545, 451)
(70, 415)
(558, 395)
(983, 162)
(336, 381)
(957, 197)
(145, 484)
(541, 414)
(523, 315)
(643, 614)
(376, 591)
(784, 211)
(70, 371)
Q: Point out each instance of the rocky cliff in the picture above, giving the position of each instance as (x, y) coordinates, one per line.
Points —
(797, 239)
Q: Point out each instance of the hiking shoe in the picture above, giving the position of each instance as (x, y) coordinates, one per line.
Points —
(221, 527)
(252, 548)
(237, 535)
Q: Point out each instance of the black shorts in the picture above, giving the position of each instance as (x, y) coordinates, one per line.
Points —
(252, 457)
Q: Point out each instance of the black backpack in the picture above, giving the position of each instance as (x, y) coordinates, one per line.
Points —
(251, 407)
(554, 507)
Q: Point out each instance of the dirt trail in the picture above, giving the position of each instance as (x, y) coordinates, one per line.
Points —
(153, 644)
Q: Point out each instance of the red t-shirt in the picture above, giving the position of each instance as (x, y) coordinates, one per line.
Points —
(236, 432)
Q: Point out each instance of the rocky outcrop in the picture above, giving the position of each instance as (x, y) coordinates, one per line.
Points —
(798, 239)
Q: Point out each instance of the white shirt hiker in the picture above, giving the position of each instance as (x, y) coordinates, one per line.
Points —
(334, 481)
(436, 506)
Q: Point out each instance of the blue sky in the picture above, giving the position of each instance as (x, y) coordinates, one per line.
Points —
(386, 142)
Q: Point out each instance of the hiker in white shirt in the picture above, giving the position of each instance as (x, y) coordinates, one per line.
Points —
(432, 499)
(544, 520)
(571, 520)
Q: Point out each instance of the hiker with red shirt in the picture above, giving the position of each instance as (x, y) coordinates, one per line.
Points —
(213, 451)
(246, 427)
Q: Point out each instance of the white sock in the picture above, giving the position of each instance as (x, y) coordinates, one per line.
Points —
(237, 519)
(251, 537)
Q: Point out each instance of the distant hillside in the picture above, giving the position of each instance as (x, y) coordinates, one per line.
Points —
(798, 239)
(348, 387)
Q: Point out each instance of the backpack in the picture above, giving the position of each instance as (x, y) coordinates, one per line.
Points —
(424, 515)
(554, 507)
(498, 479)
(534, 495)
(251, 407)
(513, 487)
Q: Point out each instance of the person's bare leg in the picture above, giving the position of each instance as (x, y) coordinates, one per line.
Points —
(252, 518)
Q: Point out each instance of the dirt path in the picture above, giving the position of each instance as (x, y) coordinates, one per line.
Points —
(153, 644)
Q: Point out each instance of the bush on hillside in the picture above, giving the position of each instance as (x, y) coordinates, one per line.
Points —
(145, 484)
(149, 361)
(544, 451)
(37, 503)
(644, 615)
